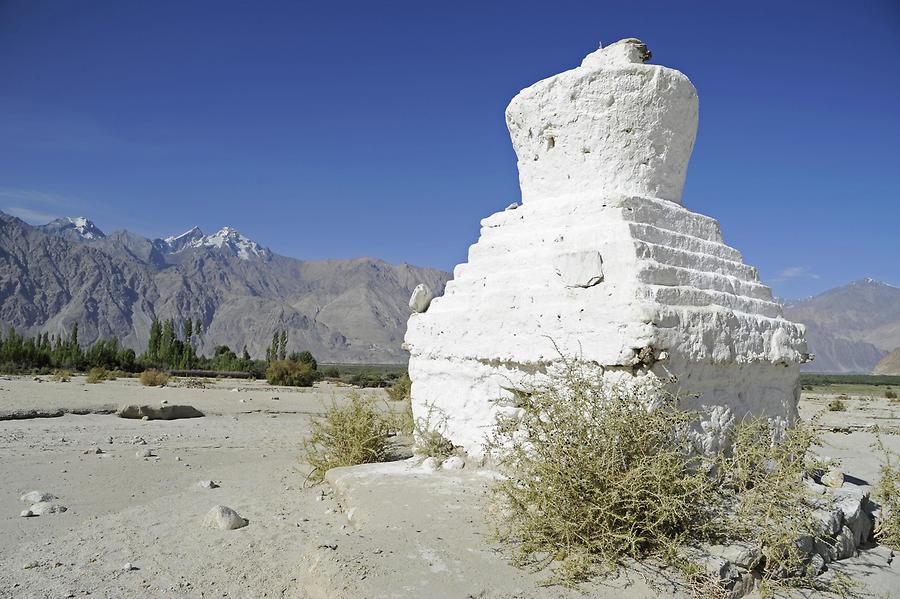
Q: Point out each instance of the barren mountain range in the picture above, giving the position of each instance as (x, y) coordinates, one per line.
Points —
(69, 271)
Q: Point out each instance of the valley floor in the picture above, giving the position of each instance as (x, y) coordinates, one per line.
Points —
(408, 534)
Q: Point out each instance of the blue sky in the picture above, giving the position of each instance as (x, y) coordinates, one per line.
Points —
(346, 129)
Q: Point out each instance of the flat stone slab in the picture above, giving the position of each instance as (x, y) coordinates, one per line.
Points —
(166, 412)
(437, 526)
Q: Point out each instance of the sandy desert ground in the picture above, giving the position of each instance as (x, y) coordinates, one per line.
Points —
(399, 532)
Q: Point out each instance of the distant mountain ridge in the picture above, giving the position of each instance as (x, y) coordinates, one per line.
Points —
(69, 271)
(850, 328)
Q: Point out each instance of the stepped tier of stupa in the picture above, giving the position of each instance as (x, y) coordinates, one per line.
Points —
(602, 263)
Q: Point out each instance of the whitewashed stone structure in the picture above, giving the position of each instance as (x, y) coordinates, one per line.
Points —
(603, 261)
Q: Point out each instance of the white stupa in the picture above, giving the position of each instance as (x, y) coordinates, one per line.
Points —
(602, 261)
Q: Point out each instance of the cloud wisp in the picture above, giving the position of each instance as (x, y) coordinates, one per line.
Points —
(792, 273)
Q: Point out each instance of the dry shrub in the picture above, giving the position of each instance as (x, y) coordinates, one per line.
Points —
(62, 376)
(761, 483)
(401, 388)
(890, 394)
(292, 373)
(887, 494)
(154, 378)
(594, 475)
(836, 405)
(597, 473)
(97, 375)
(356, 433)
(429, 440)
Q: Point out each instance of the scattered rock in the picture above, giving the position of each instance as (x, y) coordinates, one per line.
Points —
(138, 441)
(843, 544)
(208, 484)
(47, 507)
(37, 497)
(834, 478)
(224, 518)
(165, 412)
(92, 450)
(453, 463)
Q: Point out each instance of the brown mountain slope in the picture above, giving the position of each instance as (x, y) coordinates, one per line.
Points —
(890, 364)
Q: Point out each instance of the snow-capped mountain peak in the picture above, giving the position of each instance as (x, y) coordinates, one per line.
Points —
(226, 238)
(74, 226)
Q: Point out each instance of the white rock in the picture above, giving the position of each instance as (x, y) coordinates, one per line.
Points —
(601, 261)
(834, 478)
(26, 513)
(47, 507)
(208, 484)
(37, 497)
(453, 463)
(430, 464)
(224, 518)
(128, 567)
(421, 298)
(145, 453)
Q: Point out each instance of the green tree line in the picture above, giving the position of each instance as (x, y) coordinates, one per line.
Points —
(171, 346)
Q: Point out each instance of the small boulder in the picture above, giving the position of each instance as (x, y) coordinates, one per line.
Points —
(421, 298)
(128, 567)
(208, 484)
(92, 450)
(430, 464)
(224, 518)
(26, 514)
(47, 507)
(145, 453)
(453, 463)
(834, 478)
(165, 412)
(37, 497)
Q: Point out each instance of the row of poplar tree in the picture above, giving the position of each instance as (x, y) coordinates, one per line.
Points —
(171, 346)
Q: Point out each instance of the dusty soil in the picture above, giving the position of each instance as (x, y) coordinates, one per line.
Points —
(409, 533)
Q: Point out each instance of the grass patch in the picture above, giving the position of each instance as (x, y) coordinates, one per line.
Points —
(356, 433)
(154, 378)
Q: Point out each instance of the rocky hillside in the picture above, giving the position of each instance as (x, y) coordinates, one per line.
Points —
(69, 271)
(890, 364)
(850, 328)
